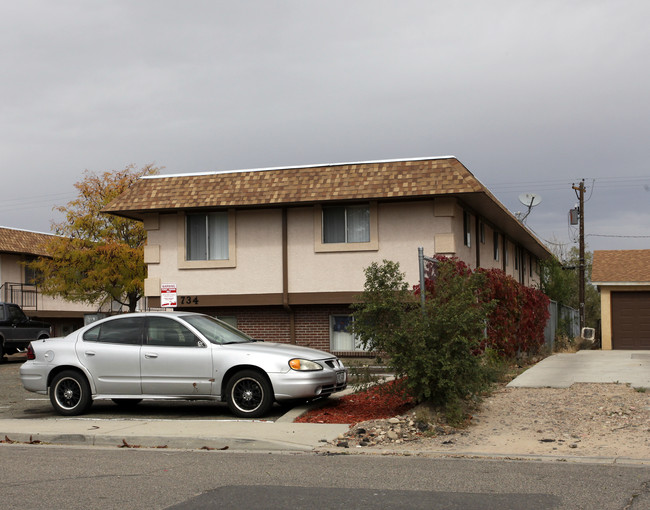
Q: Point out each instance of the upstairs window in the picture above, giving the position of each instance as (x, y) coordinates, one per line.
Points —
(517, 257)
(207, 236)
(496, 245)
(32, 275)
(467, 229)
(346, 224)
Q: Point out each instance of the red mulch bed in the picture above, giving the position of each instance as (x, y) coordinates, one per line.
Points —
(379, 402)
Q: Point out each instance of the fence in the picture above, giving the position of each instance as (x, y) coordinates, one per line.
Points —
(563, 320)
(22, 294)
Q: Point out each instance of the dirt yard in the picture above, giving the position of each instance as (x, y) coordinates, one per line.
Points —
(585, 420)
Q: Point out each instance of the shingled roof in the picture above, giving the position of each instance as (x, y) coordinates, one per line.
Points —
(372, 180)
(295, 185)
(621, 266)
(23, 241)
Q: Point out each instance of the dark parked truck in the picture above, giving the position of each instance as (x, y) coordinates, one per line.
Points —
(17, 330)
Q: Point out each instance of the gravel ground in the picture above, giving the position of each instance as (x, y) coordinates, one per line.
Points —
(585, 420)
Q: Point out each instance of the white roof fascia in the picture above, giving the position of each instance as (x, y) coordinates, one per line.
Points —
(30, 231)
(217, 172)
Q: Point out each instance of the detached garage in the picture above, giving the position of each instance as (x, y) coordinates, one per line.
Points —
(623, 279)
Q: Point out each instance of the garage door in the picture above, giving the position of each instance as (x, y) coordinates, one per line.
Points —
(631, 320)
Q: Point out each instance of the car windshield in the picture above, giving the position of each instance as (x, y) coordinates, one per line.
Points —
(216, 331)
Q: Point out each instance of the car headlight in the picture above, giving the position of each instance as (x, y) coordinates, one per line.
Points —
(304, 365)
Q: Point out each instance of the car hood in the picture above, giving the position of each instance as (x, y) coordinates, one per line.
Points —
(288, 350)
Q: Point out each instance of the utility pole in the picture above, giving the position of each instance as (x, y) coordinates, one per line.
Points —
(580, 189)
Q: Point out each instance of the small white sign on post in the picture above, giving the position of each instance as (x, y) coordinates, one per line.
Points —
(168, 295)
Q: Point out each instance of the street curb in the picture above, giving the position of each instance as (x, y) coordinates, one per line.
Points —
(186, 434)
(487, 456)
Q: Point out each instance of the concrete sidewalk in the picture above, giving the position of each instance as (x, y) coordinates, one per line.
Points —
(281, 435)
(562, 370)
(556, 371)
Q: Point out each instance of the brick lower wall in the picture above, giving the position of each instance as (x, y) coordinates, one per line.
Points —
(272, 324)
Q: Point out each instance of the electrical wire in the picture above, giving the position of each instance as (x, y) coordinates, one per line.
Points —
(616, 235)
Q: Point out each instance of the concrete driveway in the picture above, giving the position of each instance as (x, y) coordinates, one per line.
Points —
(562, 370)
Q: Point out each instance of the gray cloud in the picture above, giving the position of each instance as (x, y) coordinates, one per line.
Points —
(531, 96)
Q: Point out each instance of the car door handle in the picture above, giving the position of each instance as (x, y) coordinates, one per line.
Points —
(90, 353)
(150, 355)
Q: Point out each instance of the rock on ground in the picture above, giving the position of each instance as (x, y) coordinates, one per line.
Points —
(585, 420)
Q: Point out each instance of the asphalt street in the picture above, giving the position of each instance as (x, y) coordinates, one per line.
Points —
(73, 478)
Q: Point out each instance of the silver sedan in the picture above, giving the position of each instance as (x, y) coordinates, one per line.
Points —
(176, 355)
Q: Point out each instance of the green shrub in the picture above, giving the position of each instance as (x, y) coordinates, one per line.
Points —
(434, 348)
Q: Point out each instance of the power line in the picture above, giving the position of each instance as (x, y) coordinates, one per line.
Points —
(559, 184)
(614, 235)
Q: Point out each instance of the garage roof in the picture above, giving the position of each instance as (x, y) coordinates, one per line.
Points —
(623, 267)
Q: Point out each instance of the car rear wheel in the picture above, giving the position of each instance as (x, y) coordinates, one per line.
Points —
(70, 393)
(249, 394)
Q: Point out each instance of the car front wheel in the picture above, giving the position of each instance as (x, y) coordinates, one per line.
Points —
(70, 393)
(249, 394)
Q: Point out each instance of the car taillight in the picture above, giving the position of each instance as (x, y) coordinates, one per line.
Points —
(30, 352)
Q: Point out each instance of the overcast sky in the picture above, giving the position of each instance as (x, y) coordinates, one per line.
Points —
(531, 96)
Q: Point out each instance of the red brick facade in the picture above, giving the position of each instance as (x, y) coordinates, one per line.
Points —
(271, 323)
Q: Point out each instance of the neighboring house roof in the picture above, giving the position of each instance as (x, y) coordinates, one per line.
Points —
(372, 180)
(621, 267)
(23, 241)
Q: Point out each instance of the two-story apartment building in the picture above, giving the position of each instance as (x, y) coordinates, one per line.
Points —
(280, 252)
(17, 282)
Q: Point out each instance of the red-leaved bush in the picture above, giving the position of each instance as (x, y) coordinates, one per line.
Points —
(519, 313)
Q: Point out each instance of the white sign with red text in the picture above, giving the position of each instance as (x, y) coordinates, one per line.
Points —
(168, 295)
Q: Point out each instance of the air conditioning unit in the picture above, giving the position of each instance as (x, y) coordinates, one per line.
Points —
(588, 334)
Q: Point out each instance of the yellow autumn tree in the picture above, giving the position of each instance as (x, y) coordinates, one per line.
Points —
(97, 257)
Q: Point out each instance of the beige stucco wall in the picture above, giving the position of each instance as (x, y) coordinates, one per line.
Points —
(606, 317)
(12, 271)
(259, 258)
(468, 253)
(401, 227)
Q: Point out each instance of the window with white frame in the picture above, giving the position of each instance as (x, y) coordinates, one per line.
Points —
(207, 236)
(341, 337)
(346, 224)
